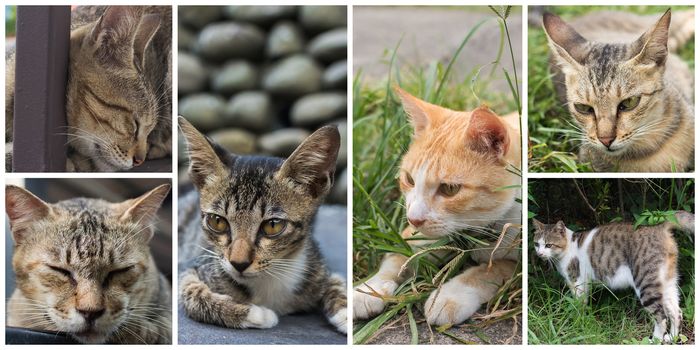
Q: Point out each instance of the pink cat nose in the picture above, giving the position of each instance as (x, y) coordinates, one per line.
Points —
(416, 222)
(138, 161)
(606, 141)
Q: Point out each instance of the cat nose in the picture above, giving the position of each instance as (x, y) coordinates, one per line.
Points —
(138, 160)
(240, 266)
(416, 222)
(91, 315)
(606, 141)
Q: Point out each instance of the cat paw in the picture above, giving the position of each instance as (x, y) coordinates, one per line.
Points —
(260, 317)
(340, 320)
(453, 303)
(365, 305)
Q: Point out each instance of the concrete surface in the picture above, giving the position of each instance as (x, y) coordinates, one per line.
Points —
(330, 232)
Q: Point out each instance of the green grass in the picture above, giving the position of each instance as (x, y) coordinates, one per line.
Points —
(610, 317)
(381, 135)
(552, 139)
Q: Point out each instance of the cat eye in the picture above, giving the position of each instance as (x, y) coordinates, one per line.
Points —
(115, 273)
(548, 245)
(629, 103)
(216, 223)
(449, 190)
(537, 245)
(583, 109)
(64, 272)
(273, 227)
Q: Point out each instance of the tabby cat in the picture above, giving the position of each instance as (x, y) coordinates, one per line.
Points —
(621, 256)
(119, 87)
(247, 233)
(631, 98)
(454, 177)
(84, 267)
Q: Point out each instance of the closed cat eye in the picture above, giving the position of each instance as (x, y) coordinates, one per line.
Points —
(629, 103)
(64, 272)
(115, 273)
(273, 227)
(583, 109)
(449, 190)
(216, 223)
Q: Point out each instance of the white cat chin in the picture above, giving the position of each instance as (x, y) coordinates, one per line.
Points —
(90, 337)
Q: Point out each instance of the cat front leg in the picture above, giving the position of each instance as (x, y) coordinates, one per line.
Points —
(458, 299)
(335, 303)
(203, 305)
(384, 282)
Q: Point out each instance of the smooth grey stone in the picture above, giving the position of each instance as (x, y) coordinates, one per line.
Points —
(235, 76)
(343, 152)
(319, 108)
(330, 46)
(295, 75)
(336, 75)
(198, 16)
(185, 38)
(237, 141)
(319, 18)
(225, 40)
(204, 111)
(191, 74)
(339, 192)
(250, 110)
(282, 142)
(259, 14)
(284, 39)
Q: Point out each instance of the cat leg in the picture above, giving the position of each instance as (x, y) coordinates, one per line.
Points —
(335, 303)
(652, 301)
(672, 309)
(203, 305)
(384, 282)
(458, 299)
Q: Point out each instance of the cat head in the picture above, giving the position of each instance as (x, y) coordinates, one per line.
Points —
(257, 211)
(454, 174)
(550, 240)
(82, 264)
(111, 107)
(612, 89)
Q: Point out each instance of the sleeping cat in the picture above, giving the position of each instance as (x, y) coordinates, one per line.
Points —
(118, 104)
(84, 267)
(620, 257)
(454, 177)
(248, 232)
(631, 98)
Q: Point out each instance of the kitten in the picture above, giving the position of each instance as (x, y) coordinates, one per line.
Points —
(454, 177)
(631, 98)
(84, 267)
(620, 256)
(118, 104)
(249, 228)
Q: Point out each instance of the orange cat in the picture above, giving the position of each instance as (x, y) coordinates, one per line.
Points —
(455, 177)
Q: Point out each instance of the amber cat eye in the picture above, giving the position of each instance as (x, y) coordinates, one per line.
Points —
(629, 103)
(449, 190)
(583, 109)
(216, 223)
(273, 227)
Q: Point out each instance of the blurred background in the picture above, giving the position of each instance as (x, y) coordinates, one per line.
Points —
(260, 79)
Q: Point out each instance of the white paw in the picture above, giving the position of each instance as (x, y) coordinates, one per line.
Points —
(260, 317)
(340, 320)
(668, 339)
(365, 305)
(452, 304)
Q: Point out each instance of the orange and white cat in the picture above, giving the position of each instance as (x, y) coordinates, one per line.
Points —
(455, 177)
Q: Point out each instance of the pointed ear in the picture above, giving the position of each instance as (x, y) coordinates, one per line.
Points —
(23, 208)
(561, 227)
(538, 225)
(312, 165)
(144, 209)
(653, 45)
(147, 29)
(113, 35)
(568, 46)
(206, 163)
(416, 109)
(487, 134)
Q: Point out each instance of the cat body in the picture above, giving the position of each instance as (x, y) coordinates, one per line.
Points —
(620, 256)
(84, 267)
(454, 177)
(247, 234)
(630, 96)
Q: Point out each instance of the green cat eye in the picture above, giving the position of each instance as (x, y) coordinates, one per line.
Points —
(449, 190)
(629, 103)
(273, 227)
(216, 223)
(583, 109)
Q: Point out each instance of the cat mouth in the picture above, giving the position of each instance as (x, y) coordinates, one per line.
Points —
(89, 335)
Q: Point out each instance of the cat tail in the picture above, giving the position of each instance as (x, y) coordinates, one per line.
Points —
(685, 221)
(682, 29)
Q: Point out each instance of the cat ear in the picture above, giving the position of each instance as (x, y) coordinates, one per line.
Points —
(538, 225)
(206, 163)
(415, 109)
(561, 227)
(147, 29)
(487, 133)
(312, 165)
(143, 210)
(23, 208)
(568, 46)
(653, 44)
(114, 33)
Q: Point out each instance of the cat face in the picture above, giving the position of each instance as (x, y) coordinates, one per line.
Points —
(613, 90)
(257, 211)
(82, 263)
(454, 171)
(111, 107)
(550, 240)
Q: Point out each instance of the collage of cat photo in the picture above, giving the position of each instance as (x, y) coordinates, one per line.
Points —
(349, 174)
